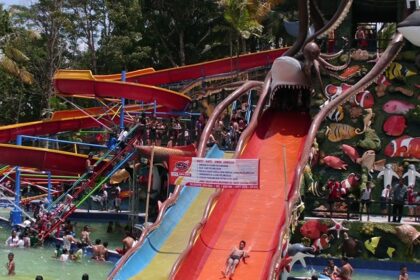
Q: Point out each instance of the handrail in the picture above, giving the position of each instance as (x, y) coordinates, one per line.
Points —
(201, 150)
(81, 178)
(92, 179)
(386, 58)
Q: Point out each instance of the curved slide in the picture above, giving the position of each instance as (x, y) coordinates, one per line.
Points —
(255, 216)
(153, 259)
(74, 82)
(66, 120)
(58, 162)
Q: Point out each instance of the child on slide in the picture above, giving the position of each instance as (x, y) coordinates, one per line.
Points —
(235, 256)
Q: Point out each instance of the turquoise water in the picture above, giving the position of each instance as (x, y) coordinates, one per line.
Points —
(359, 274)
(38, 261)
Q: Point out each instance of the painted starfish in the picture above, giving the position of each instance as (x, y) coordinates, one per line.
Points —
(338, 227)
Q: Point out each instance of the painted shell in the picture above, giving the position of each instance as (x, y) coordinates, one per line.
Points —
(408, 234)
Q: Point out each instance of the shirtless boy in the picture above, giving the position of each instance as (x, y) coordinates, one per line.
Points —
(235, 256)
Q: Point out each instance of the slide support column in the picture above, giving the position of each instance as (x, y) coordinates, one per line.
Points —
(16, 213)
(123, 78)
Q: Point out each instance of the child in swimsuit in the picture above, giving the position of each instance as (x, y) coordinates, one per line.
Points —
(235, 256)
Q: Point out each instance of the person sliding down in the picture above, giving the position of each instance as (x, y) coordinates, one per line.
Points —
(235, 256)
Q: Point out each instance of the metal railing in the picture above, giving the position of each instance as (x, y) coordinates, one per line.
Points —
(354, 209)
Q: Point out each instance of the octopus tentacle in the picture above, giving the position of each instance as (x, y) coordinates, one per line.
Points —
(332, 55)
(334, 22)
(328, 65)
(303, 28)
(317, 17)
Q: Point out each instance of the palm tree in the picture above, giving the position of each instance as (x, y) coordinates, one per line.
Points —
(12, 60)
(245, 17)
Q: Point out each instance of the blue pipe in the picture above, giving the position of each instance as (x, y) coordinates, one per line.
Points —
(123, 79)
(16, 213)
(62, 141)
(249, 109)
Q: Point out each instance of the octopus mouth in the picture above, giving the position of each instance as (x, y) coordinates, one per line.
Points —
(290, 97)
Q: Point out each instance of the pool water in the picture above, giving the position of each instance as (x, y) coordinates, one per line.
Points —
(359, 274)
(39, 261)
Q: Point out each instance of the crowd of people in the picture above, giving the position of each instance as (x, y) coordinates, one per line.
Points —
(392, 200)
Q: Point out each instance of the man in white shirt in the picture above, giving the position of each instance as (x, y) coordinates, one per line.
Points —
(12, 240)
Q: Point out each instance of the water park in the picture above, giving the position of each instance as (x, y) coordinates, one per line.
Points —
(293, 159)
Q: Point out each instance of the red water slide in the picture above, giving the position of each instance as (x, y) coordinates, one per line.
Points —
(57, 162)
(140, 85)
(255, 216)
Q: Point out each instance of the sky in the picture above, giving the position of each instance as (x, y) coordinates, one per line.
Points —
(16, 2)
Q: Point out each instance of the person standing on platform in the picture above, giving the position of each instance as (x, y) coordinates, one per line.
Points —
(399, 194)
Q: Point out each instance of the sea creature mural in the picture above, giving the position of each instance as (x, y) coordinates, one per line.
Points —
(395, 125)
(332, 91)
(360, 55)
(337, 132)
(355, 112)
(338, 227)
(411, 175)
(337, 114)
(351, 72)
(350, 151)
(364, 99)
(404, 146)
(397, 107)
(308, 180)
(313, 229)
(381, 85)
(350, 247)
(388, 173)
(408, 235)
(406, 91)
(370, 141)
(352, 181)
(335, 162)
(398, 71)
(380, 247)
(322, 243)
(367, 119)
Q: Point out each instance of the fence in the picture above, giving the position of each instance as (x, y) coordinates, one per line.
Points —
(351, 209)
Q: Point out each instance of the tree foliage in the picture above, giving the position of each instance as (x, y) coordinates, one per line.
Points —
(109, 36)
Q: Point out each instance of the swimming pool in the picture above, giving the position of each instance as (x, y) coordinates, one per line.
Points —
(38, 261)
(359, 273)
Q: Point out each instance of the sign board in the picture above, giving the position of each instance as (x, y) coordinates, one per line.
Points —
(214, 173)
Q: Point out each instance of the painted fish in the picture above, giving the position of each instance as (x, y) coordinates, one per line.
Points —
(382, 80)
(337, 114)
(397, 107)
(395, 125)
(398, 71)
(364, 99)
(321, 243)
(338, 131)
(379, 247)
(351, 72)
(332, 91)
(313, 229)
(335, 162)
(404, 146)
(350, 151)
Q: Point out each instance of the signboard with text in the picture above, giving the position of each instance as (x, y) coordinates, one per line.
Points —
(214, 173)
